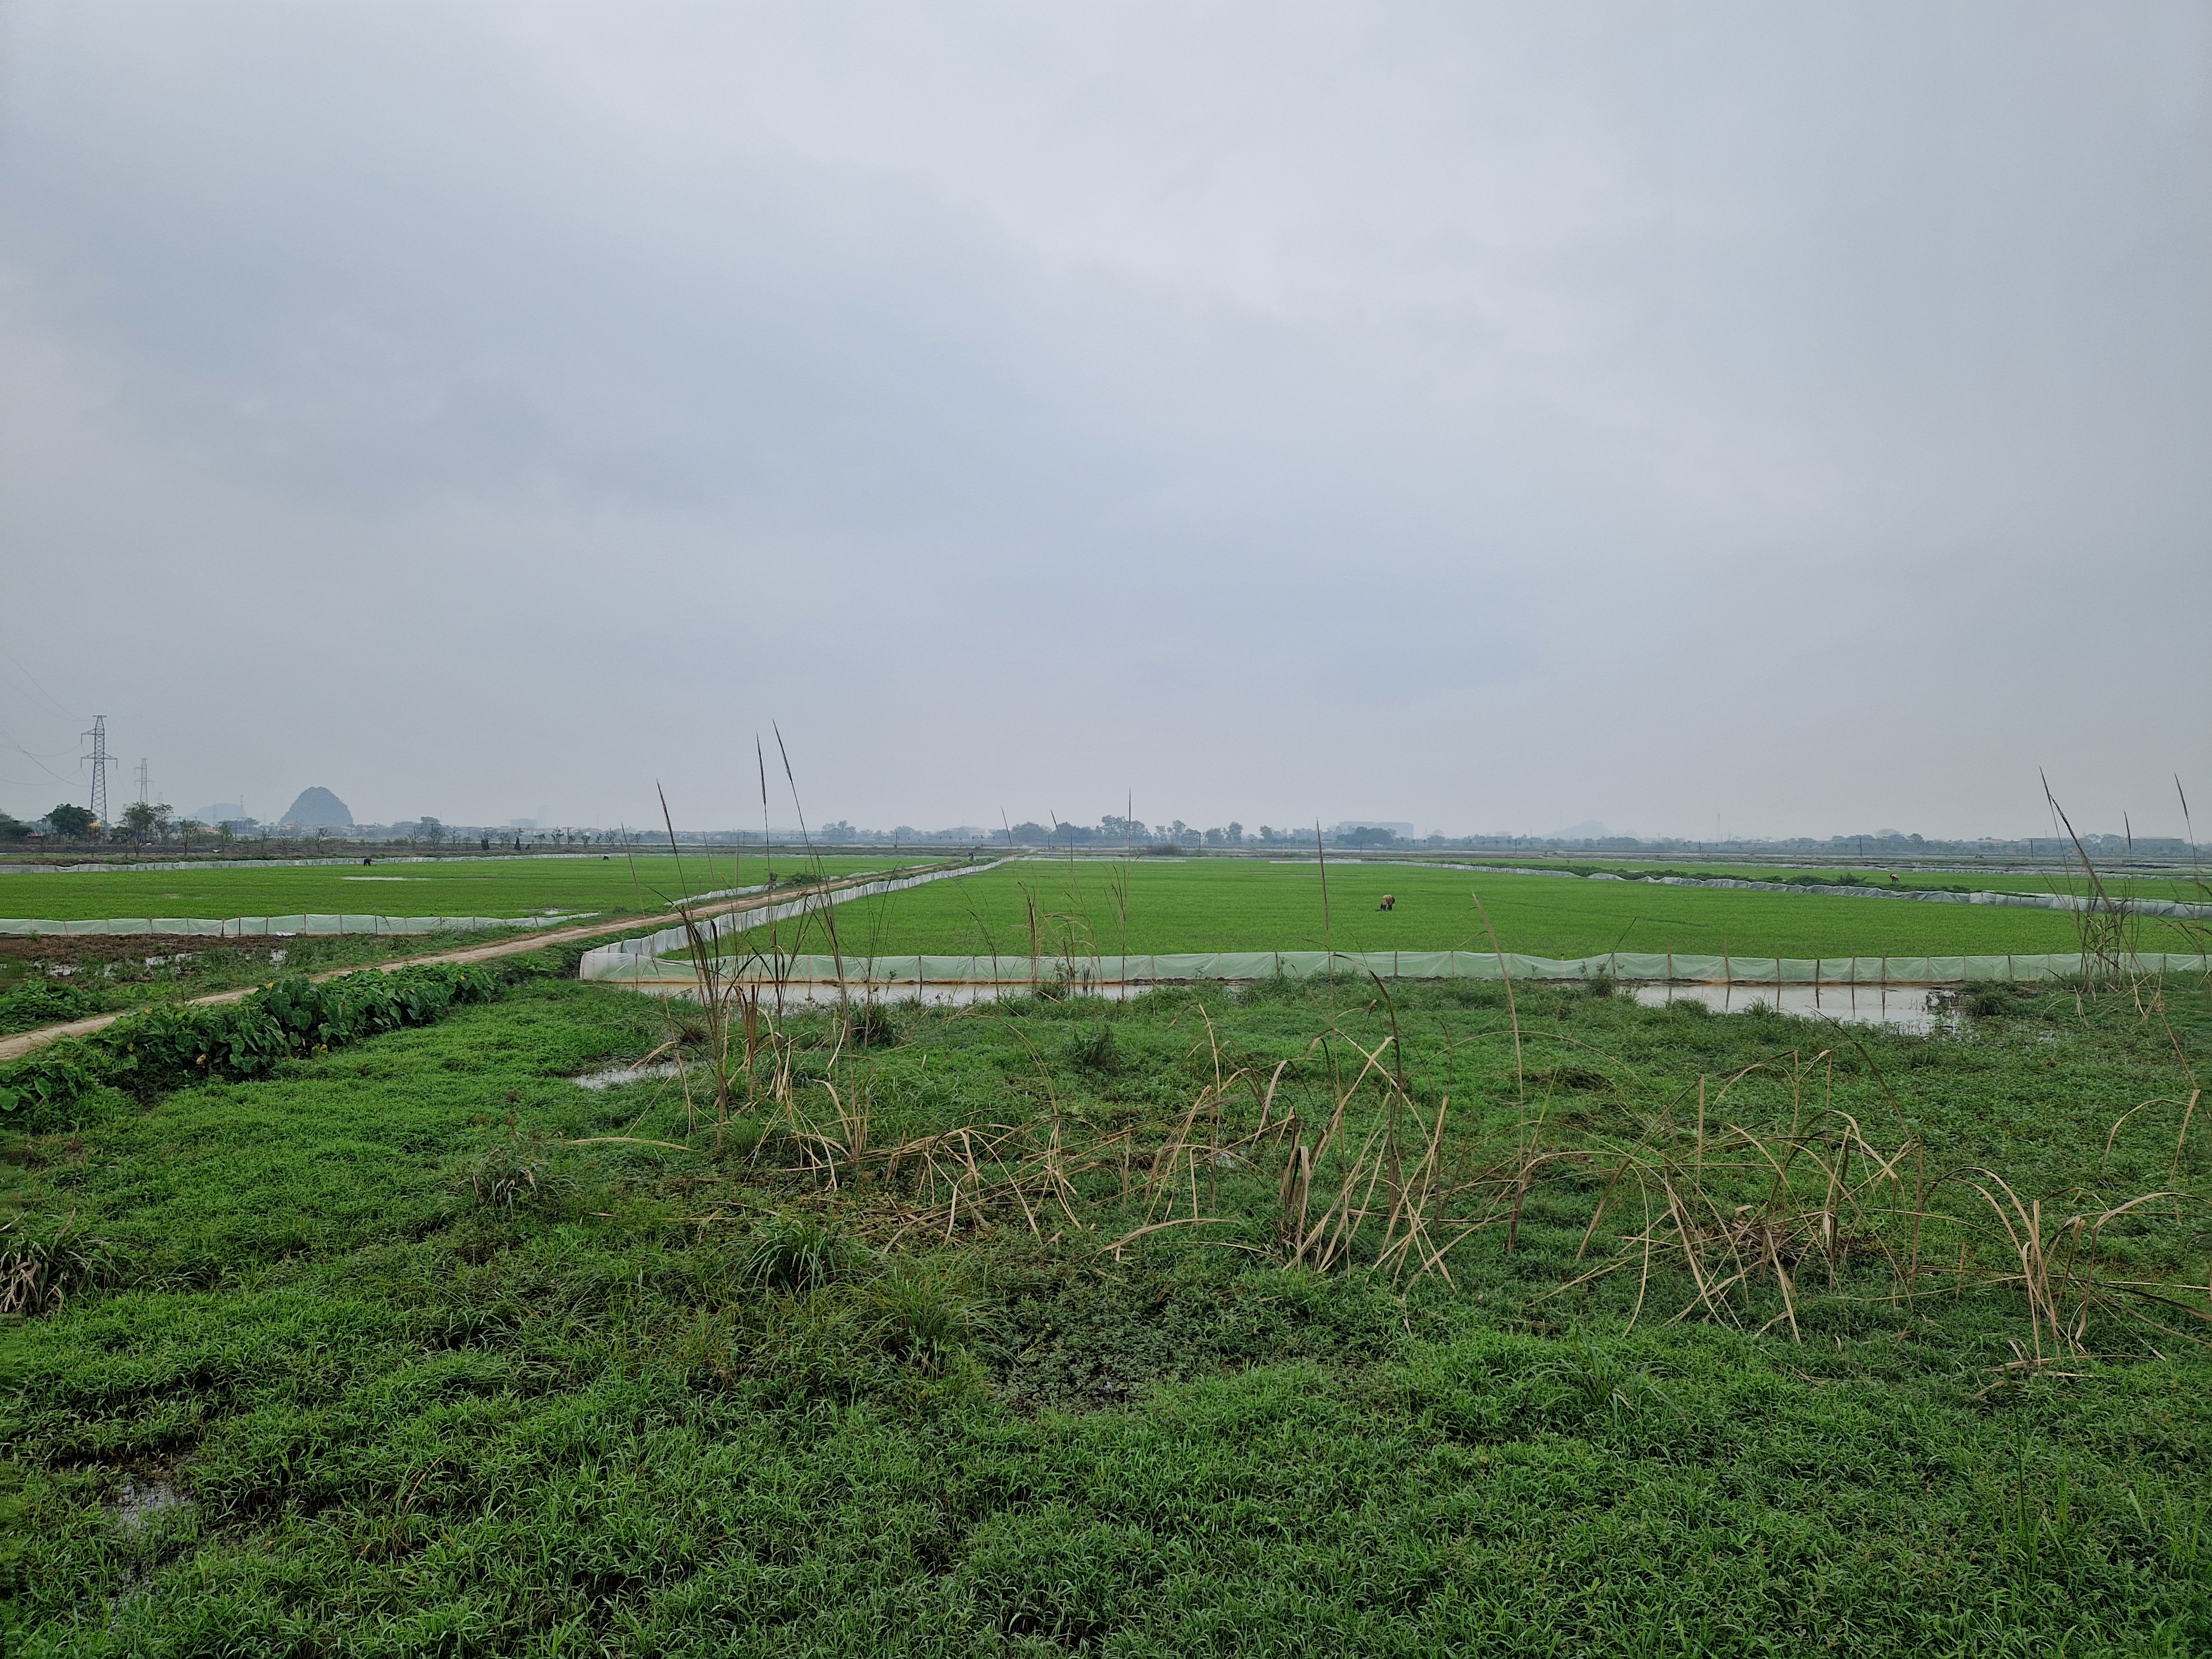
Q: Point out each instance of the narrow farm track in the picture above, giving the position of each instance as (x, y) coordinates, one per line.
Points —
(14, 1048)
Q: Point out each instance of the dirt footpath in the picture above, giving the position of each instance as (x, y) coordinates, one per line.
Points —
(16, 1046)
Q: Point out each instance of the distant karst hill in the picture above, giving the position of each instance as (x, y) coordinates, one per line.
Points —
(318, 809)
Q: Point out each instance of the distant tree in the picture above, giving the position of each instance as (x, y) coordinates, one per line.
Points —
(1367, 836)
(13, 828)
(1032, 835)
(71, 822)
(430, 830)
(143, 821)
(1235, 832)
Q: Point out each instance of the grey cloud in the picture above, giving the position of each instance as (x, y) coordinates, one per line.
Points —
(1472, 415)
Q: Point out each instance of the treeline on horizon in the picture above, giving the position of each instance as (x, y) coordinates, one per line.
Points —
(74, 827)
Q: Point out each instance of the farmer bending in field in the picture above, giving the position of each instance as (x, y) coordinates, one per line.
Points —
(1390, 902)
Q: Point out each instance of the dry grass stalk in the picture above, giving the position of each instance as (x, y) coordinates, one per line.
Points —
(38, 1275)
(1512, 1012)
(2058, 1264)
(1815, 1207)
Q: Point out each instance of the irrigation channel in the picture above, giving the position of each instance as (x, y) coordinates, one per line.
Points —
(1914, 1009)
(1904, 992)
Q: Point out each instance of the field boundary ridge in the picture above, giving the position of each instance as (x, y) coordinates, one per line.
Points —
(631, 964)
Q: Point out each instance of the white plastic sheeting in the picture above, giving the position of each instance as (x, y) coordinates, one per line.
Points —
(140, 866)
(263, 926)
(2137, 907)
(889, 973)
(608, 961)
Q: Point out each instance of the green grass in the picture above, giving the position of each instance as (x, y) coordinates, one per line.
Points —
(1958, 876)
(431, 1378)
(489, 887)
(1221, 905)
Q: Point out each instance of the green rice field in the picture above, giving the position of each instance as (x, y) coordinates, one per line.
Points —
(517, 887)
(1079, 908)
(2182, 884)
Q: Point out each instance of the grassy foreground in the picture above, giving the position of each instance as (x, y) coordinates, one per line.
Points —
(515, 887)
(398, 1351)
(1217, 905)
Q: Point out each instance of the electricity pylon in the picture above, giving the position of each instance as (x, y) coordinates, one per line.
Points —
(99, 759)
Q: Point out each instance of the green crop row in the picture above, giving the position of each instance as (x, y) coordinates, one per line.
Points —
(168, 1047)
(2183, 885)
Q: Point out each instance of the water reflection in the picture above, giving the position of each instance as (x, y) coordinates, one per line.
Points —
(1909, 1008)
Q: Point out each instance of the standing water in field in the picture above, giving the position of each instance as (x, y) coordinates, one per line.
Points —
(1913, 1009)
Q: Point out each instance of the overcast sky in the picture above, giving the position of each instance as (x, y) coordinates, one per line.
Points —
(1794, 419)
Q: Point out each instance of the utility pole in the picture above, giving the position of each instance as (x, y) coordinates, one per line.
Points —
(99, 759)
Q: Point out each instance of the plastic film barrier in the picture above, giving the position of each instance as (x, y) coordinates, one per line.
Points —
(888, 973)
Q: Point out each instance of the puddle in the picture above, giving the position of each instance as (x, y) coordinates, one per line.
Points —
(135, 1504)
(1915, 1010)
(137, 1501)
(615, 1076)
